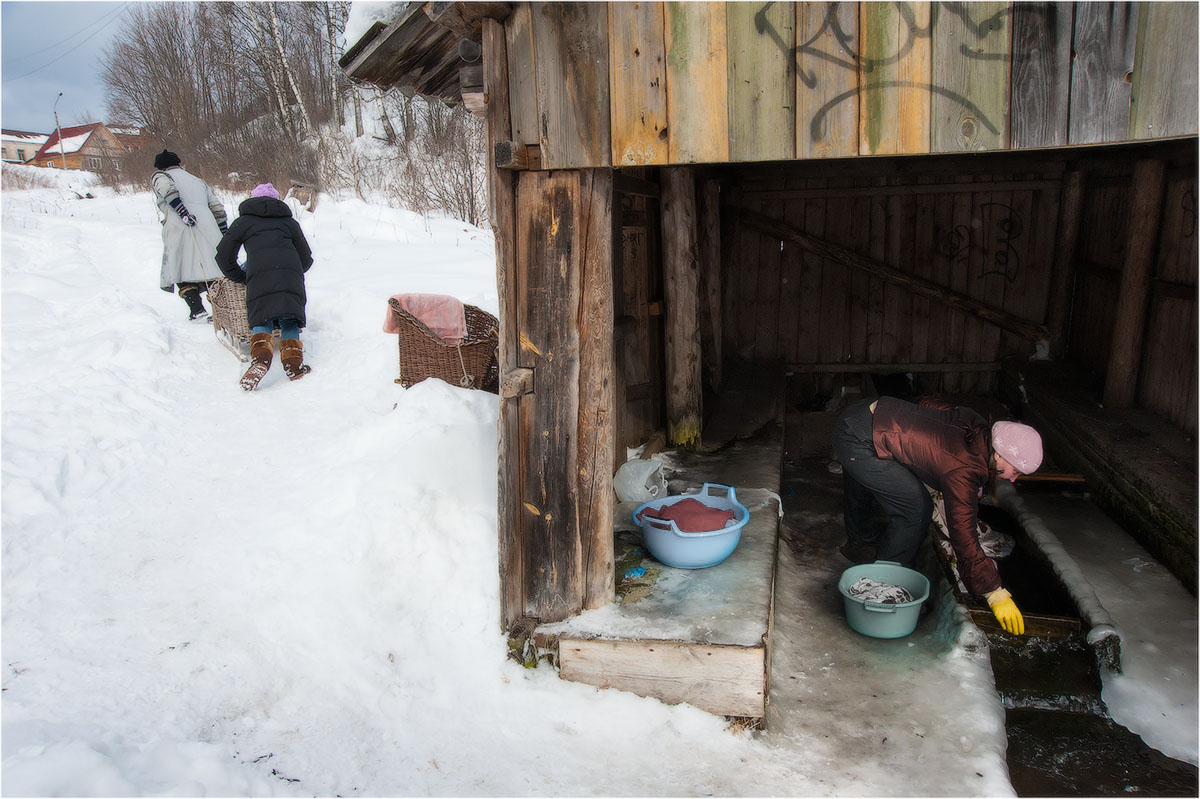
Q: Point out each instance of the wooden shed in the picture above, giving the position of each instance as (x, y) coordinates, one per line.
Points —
(989, 197)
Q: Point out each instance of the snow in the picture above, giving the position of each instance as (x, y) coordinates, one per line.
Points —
(70, 144)
(363, 14)
(294, 592)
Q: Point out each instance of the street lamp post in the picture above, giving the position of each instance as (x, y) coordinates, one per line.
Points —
(58, 128)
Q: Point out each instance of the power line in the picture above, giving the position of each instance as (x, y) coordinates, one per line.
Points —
(96, 21)
(112, 17)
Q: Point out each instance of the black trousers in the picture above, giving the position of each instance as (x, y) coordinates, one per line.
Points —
(868, 479)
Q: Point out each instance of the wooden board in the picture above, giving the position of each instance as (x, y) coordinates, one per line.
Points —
(826, 79)
(969, 107)
(522, 92)
(1164, 82)
(697, 83)
(637, 82)
(894, 78)
(726, 680)
(571, 62)
(1041, 70)
(1104, 44)
(762, 91)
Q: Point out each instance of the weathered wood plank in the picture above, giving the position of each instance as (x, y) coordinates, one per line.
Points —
(1063, 274)
(594, 439)
(762, 90)
(522, 93)
(502, 204)
(684, 394)
(826, 80)
(637, 83)
(697, 75)
(726, 680)
(895, 73)
(834, 330)
(765, 307)
(791, 290)
(1041, 73)
(812, 221)
(1124, 360)
(839, 254)
(1164, 80)
(571, 64)
(1105, 41)
(548, 252)
(712, 342)
(971, 46)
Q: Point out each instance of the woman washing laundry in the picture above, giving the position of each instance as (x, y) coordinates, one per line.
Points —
(890, 450)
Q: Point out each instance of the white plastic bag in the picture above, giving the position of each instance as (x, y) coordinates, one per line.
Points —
(640, 480)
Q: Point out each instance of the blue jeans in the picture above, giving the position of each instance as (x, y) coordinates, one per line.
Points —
(868, 478)
(289, 327)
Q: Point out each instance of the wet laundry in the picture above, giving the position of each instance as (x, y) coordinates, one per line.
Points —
(870, 590)
(693, 516)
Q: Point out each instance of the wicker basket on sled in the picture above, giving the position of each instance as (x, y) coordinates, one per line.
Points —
(228, 301)
(470, 364)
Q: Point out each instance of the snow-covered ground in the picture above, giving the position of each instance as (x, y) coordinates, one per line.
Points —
(294, 592)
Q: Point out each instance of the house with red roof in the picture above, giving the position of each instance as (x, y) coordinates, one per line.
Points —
(92, 147)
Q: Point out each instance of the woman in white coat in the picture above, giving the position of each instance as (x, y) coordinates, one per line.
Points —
(193, 221)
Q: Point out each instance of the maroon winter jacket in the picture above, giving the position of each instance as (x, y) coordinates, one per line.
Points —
(949, 450)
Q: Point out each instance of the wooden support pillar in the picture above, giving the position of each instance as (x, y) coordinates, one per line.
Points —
(502, 200)
(710, 281)
(1058, 319)
(1129, 325)
(682, 279)
(564, 429)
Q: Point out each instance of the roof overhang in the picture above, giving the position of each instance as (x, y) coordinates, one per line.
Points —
(430, 49)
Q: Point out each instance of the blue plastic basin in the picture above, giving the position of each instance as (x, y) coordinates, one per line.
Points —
(884, 619)
(673, 547)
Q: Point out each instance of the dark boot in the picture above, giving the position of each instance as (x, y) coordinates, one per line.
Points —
(291, 355)
(262, 350)
(858, 553)
(196, 308)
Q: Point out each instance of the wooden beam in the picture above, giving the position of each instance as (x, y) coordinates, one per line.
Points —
(1129, 326)
(516, 382)
(466, 19)
(1063, 270)
(638, 187)
(502, 201)
(709, 249)
(826, 249)
(890, 368)
(515, 156)
(596, 418)
(682, 279)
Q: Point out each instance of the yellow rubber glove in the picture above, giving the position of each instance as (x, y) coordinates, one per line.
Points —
(1005, 610)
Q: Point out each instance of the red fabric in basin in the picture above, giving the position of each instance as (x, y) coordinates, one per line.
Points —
(692, 516)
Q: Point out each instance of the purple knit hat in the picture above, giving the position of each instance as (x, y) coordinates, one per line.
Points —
(264, 190)
(1019, 444)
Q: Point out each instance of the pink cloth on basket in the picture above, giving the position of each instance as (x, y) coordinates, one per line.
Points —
(692, 516)
(441, 313)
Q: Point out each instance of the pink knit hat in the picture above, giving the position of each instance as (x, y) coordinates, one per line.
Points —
(1019, 444)
(264, 190)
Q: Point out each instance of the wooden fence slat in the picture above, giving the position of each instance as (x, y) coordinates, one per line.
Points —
(1164, 80)
(1041, 71)
(637, 81)
(697, 75)
(971, 46)
(894, 77)
(826, 79)
(571, 63)
(1105, 41)
(762, 91)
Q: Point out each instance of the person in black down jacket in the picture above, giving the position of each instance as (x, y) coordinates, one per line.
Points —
(277, 256)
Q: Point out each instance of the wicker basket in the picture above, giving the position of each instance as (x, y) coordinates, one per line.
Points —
(228, 301)
(471, 364)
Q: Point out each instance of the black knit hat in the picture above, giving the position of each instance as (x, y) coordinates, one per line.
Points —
(165, 159)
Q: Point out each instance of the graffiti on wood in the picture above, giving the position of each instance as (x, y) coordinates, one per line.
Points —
(1189, 213)
(998, 227)
(853, 59)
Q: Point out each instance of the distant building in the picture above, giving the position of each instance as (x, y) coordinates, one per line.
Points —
(20, 145)
(92, 147)
(132, 139)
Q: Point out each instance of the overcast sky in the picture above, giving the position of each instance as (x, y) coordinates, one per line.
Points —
(52, 47)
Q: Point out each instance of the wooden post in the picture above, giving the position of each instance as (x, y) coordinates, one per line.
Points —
(1125, 356)
(682, 279)
(710, 281)
(595, 440)
(1063, 269)
(502, 197)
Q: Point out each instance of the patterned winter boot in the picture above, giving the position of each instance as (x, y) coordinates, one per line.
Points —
(196, 310)
(291, 355)
(262, 350)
